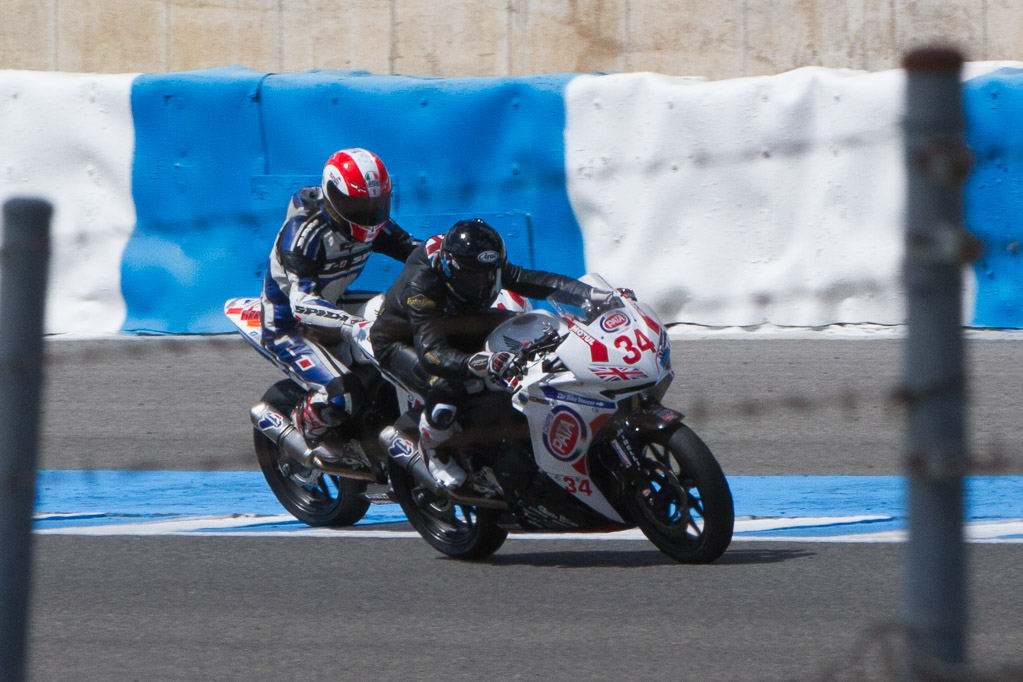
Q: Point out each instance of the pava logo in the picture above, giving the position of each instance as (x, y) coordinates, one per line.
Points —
(562, 432)
(613, 320)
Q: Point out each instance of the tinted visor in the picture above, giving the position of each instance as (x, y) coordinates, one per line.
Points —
(367, 211)
(476, 285)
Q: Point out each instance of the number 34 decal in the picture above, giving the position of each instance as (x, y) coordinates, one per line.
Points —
(633, 352)
(576, 485)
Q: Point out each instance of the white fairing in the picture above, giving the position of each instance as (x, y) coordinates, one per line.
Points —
(608, 356)
(244, 314)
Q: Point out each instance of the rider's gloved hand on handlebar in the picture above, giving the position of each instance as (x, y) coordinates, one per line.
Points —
(498, 370)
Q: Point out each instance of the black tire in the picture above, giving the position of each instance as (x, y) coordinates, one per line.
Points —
(680, 498)
(312, 497)
(460, 531)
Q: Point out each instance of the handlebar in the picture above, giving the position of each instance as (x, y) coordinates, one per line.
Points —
(547, 342)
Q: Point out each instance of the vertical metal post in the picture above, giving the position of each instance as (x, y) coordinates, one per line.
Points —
(937, 247)
(24, 256)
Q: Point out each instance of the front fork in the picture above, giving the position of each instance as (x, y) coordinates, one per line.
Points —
(626, 432)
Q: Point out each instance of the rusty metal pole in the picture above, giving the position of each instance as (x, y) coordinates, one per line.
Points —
(24, 257)
(937, 248)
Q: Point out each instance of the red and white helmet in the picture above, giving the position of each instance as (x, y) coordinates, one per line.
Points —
(357, 192)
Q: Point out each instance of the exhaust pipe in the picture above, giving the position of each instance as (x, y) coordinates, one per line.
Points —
(404, 452)
(279, 429)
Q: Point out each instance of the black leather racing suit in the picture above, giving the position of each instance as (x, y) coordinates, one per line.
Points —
(424, 335)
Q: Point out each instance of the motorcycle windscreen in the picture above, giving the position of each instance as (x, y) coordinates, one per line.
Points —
(511, 335)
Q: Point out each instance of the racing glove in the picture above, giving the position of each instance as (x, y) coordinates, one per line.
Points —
(498, 370)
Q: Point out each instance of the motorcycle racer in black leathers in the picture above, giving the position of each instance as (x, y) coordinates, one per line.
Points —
(437, 312)
(328, 235)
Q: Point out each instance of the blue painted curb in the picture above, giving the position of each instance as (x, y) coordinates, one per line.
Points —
(95, 497)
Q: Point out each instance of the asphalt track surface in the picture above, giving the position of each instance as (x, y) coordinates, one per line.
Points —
(214, 608)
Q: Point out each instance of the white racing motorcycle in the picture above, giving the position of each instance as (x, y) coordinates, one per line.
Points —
(579, 442)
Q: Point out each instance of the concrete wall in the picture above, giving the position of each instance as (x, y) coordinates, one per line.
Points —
(716, 39)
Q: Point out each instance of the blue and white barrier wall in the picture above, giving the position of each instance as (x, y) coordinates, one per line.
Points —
(730, 203)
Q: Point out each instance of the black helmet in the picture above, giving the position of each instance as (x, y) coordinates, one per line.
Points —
(471, 258)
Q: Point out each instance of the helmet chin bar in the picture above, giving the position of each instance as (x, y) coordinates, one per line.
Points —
(479, 295)
(360, 233)
(363, 233)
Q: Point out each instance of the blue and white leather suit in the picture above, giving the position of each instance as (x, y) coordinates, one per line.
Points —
(312, 263)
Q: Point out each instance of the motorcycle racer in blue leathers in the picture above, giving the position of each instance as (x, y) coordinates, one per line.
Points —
(328, 235)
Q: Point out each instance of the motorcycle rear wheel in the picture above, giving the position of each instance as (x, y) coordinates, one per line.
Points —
(311, 496)
(681, 499)
(460, 531)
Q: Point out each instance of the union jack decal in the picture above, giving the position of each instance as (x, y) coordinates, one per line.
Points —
(618, 373)
(433, 244)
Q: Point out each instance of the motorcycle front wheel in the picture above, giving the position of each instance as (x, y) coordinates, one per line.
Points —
(680, 498)
(311, 496)
(460, 531)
